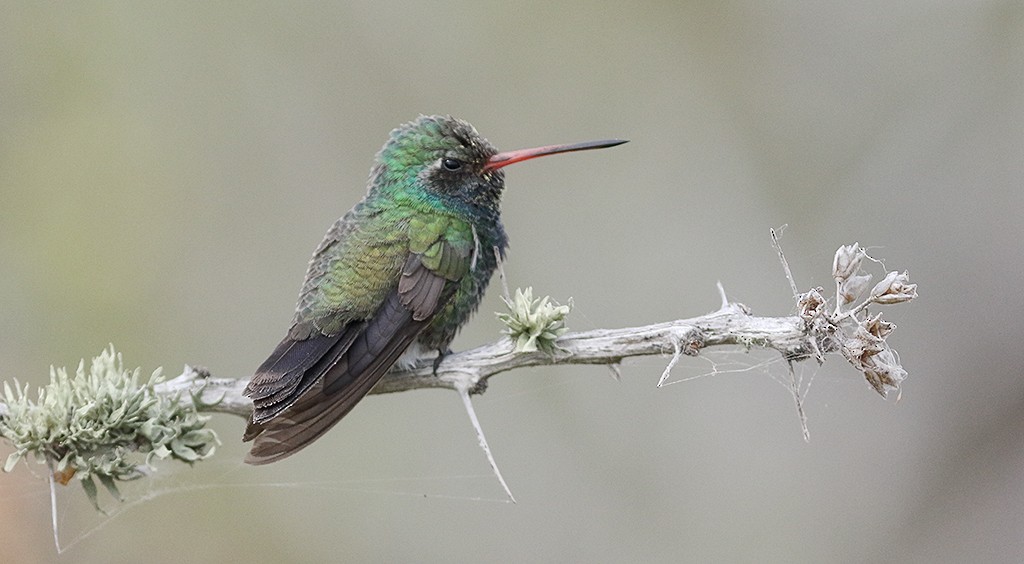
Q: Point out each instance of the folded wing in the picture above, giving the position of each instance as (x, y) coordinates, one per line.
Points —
(307, 385)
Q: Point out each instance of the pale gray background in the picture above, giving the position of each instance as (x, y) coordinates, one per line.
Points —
(166, 170)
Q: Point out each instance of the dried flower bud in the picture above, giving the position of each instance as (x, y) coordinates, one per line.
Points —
(852, 288)
(847, 261)
(884, 372)
(878, 328)
(868, 352)
(811, 304)
(894, 288)
(862, 345)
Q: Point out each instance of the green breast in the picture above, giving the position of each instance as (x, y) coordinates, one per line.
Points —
(442, 330)
(350, 278)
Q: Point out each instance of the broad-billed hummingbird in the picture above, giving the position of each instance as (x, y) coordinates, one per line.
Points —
(397, 276)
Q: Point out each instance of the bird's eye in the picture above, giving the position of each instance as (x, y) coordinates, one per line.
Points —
(451, 164)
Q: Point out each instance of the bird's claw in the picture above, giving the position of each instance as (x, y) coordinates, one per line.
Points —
(441, 354)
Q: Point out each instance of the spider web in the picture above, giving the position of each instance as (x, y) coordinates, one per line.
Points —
(796, 378)
(74, 519)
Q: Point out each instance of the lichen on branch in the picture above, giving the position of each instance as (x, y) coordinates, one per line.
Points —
(534, 324)
(103, 423)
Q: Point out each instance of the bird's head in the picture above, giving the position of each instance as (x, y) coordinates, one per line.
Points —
(444, 161)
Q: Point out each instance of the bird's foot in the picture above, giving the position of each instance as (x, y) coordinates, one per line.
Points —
(441, 354)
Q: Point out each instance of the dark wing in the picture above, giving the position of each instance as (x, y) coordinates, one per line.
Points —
(307, 386)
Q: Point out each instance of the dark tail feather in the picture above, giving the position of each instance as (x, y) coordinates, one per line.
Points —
(293, 368)
(333, 385)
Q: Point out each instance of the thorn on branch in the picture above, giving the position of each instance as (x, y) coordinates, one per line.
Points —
(468, 404)
(677, 352)
(616, 370)
(688, 344)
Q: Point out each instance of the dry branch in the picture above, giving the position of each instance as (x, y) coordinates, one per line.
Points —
(731, 325)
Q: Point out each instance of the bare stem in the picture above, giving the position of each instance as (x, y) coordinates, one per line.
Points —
(785, 263)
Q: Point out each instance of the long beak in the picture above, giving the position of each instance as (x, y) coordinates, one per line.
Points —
(508, 157)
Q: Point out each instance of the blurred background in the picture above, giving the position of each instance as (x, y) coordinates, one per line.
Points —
(167, 169)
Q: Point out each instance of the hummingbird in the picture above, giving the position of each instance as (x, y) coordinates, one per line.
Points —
(392, 282)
